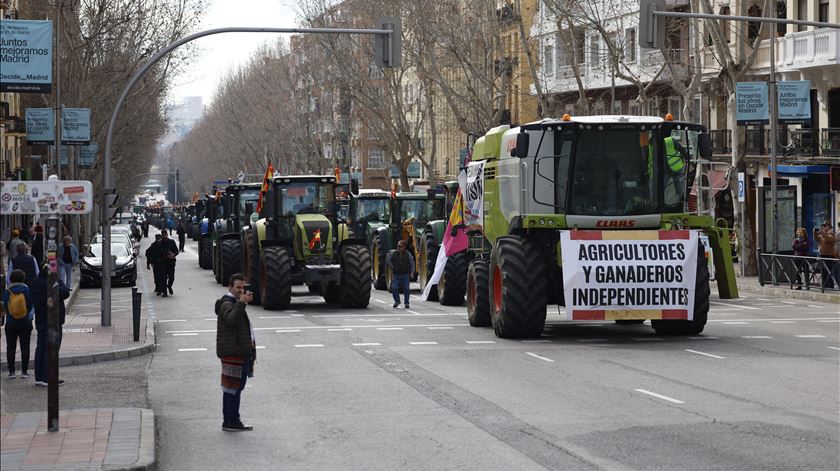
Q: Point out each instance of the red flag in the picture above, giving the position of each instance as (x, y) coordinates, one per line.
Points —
(269, 172)
(316, 239)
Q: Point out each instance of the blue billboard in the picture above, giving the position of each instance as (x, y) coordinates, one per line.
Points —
(26, 56)
(752, 103)
(795, 101)
(75, 126)
(40, 126)
(87, 155)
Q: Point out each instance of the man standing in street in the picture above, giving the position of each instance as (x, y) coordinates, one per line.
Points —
(236, 348)
(40, 293)
(67, 258)
(167, 251)
(38, 244)
(23, 261)
(182, 235)
(152, 253)
(401, 263)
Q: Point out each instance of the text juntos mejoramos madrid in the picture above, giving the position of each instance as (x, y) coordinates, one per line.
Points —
(18, 51)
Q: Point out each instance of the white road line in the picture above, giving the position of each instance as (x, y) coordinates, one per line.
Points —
(423, 343)
(811, 336)
(756, 337)
(704, 354)
(210, 319)
(647, 339)
(539, 357)
(321, 327)
(782, 322)
(478, 342)
(173, 320)
(718, 303)
(296, 315)
(660, 396)
(790, 319)
(834, 348)
(367, 344)
(287, 331)
(380, 301)
(260, 347)
(339, 330)
(389, 328)
(838, 320)
(275, 317)
(591, 340)
(181, 335)
(735, 323)
(309, 345)
(439, 328)
(536, 341)
(192, 349)
(704, 337)
(816, 306)
(413, 312)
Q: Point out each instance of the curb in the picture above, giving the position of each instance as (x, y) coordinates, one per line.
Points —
(146, 458)
(781, 292)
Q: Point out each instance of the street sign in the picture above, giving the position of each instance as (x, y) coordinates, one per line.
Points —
(741, 190)
(46, 197)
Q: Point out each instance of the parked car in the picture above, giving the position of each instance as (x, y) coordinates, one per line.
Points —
(125, 266)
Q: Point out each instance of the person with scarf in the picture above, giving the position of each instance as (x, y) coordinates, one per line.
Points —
(236, 348)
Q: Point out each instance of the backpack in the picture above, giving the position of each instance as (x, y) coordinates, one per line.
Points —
(17, 305)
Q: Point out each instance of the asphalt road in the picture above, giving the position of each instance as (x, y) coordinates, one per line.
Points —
(386, 388)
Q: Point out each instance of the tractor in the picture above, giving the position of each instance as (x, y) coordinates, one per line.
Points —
(239, 201)
(589, 182)
(410, 212)
(213, 210)
(297, 241)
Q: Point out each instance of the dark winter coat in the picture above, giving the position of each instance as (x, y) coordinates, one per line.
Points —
(38, 291)
(233, 329)
(801, 246)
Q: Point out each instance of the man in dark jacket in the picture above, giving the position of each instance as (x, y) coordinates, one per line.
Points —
(182, 235)
(24, 261)
(401, 263)
(153, 262)
(39, 293)
(236, 348)
(38, 244)
(167, 251)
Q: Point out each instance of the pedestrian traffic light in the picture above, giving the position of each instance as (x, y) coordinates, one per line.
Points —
(651, 28)
(388, 47)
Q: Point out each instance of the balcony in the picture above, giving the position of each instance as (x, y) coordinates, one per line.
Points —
(830, 139)
(755, 141)
(15, 125)
(721, 141)
(793, 142)
(807, 49)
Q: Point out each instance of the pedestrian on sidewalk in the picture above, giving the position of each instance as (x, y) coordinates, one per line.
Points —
(67, 258)
(801, 248)
(401, 263)
(236, 348)
(152, 262)
(166, 254)
(40, 295)
(182, 235)
(145, 226)
(38, 244)
(18, 314)
(826, 238)
(23, 261)
(11, 247)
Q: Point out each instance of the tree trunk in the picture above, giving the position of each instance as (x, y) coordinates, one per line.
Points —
(747, 256)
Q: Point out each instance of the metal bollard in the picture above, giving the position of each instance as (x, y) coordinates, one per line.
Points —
(136, 298)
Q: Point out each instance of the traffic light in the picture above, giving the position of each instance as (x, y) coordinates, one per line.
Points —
(387, 48)
(651, 28)
(110, 205)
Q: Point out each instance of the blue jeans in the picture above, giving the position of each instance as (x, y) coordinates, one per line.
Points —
(401, 281)
(230, 402)
(65, 272)
(41, 360)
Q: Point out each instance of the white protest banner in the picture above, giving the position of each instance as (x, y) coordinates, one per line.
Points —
(613, 275)
(471, 181)
(46, 197)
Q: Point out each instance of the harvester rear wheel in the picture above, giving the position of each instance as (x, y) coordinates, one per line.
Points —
(231, 259)
(275, 278)
(517, 287)
(702, 292)
(355, 284)
(453, 284)
(478, 293)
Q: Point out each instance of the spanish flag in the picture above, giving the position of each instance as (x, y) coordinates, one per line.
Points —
(268, 174)
(316, 239)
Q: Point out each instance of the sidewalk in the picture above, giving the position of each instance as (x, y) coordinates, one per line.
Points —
(118, 439)
(751, 284)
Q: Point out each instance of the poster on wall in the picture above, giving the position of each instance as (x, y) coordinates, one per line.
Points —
(75, 126)
(87, 155)
(26, 56)
(40, 126)
(751, 103)
(794, 101)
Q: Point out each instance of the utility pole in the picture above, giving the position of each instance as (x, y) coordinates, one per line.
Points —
(57, 110)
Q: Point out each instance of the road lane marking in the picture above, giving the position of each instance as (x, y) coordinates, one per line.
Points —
(756, 337)
(275, 317)
(367, 344)
(479, 342)
(539, 357)
(260, 347)
(718, 303)
(735, 323)
(811, 336)
(296, 315)
(309, 345)
(413, 312)
(389, 328)
(192, 349)
(181, 335)
(834, 348)
(439, 328)
(321, 327)
(173, 320)
(703, 337)
(339, 330)
(436, 314)
(287, 331)
(380, 301)
(704, 354)
(660, 396)
(816, 306)
(833, 320)
(776, 321)
(782, 322)
(423, 343)
(210, 319)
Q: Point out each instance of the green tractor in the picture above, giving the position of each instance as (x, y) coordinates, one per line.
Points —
(297, 241)
(238, 201)
(452, 286)
(410, 212)
(600, 181)
(213, 210)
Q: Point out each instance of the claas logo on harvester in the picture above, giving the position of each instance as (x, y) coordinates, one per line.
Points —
(316, 240)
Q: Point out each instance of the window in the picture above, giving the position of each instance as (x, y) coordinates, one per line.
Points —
(801, 13)
(595, 51)
(675, 108)
(724, 24)
(753, 26)
(579, 36)
(560, 50)
(781, 12)
(823, 13)
(548, 59)
(630, 45)
(376, 158)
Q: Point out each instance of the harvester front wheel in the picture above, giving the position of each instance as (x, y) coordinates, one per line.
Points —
(702, 292)
(453, 284)
(231, 258)
(355, 285)
(377, 267)
(478, 293)
(517, 287)
(275, 278)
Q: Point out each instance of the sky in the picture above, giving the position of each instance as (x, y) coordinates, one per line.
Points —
(221, 53)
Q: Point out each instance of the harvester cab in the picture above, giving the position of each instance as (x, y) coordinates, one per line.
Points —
(554, 199)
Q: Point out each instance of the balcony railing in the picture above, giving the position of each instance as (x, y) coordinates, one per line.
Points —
(830, 139)
(804, 142)
(721, 141)
(755, 141)
(813, 48)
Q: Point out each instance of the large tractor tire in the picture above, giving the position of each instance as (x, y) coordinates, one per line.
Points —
(517, 287)
(251, 264)
(426, 264)
(378, 269)
(206, 251)
(231, 259)
(275, 278)
(452, 286)
(217, 261)
(702, 292)
(355, 284)
(196, 232)
(478, 293)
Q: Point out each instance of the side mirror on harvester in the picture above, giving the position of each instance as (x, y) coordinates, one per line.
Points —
(521, 149)
(704, 145)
